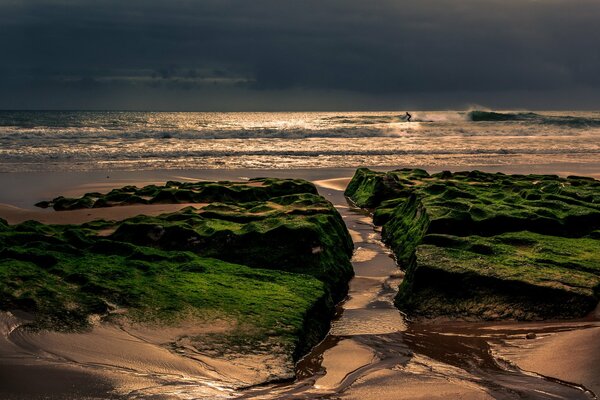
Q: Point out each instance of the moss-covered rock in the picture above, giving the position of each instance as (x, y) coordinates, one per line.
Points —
(276, 263)
(258, 189)
(488, 245)
(308, 239)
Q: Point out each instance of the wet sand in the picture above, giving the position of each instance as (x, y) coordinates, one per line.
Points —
(388, 384)
(29, 380)
(571, 356)
(370, 353)
(115, 360)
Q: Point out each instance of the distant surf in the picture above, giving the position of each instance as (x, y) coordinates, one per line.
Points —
(95, 140)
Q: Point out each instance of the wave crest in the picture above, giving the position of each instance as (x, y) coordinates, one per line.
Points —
(566, 120)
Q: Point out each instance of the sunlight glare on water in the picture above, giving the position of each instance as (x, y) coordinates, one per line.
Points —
(33, 141)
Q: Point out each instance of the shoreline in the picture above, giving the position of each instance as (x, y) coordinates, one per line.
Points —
(27, 188)
(545, 358)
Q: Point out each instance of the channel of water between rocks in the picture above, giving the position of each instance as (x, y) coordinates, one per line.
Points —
(374, 352)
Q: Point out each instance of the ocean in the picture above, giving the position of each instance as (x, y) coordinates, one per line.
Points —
(113, 140)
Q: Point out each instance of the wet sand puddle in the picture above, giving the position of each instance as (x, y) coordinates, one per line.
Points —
(371, 352)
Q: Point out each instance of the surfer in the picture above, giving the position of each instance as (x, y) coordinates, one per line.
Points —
(408, 116)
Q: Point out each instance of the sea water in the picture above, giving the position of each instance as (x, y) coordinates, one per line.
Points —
(84, 140)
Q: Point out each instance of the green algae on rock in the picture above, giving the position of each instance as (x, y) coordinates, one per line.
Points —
(275, 266)
(258, 189)
(488, 245)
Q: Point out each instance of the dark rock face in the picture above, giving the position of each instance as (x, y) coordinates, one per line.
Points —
(250, 256)
(488, 245)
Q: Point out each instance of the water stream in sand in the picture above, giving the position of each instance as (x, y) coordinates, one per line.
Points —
(373, 352)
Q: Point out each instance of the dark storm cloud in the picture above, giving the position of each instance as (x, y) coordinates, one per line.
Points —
(138, 54)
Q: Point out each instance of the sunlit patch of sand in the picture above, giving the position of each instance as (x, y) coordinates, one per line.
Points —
(374, 268)
(362, 254)
(366, 221)
(253, 183)
(374, 238)
(373, 321)
(356, 236)
(181, 178)
(340, 361)
(388, 384)
(334, 184)
(362, 292)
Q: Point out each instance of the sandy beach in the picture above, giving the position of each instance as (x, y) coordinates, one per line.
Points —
(134, 361)
(285, 200)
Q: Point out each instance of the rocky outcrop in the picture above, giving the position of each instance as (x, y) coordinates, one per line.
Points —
(258, 189)
(488, 245)
(274, 257)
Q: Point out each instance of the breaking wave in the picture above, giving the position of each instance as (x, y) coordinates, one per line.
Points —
(531, 117)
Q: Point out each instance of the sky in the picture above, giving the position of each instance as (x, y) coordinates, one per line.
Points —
(247, 55)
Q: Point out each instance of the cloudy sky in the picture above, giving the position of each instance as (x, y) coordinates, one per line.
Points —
(299, 55)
